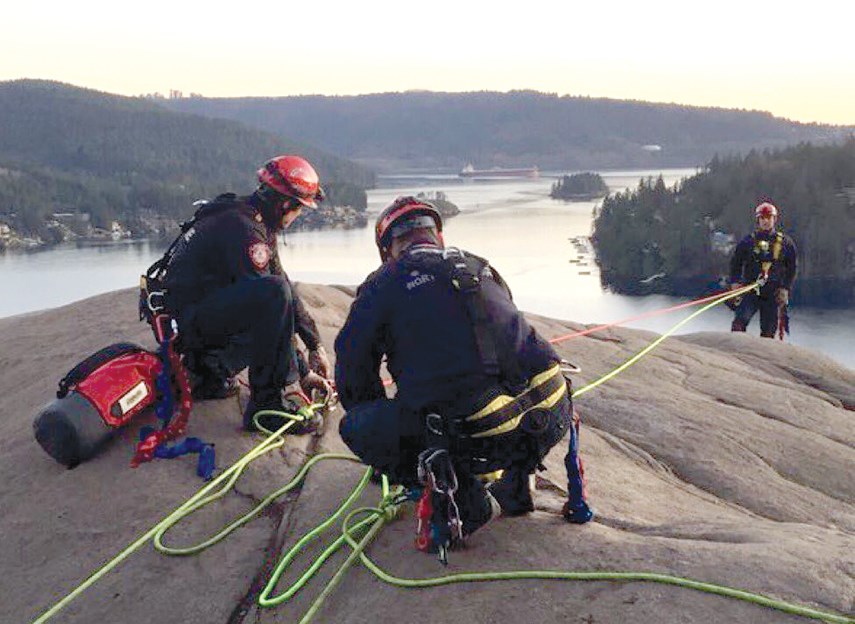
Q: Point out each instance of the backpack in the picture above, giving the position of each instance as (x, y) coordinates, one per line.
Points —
(152, 289)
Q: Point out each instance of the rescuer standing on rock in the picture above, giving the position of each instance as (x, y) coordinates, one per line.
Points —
(768, 255)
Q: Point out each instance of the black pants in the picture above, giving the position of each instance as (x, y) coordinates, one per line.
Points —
(261, 311)
(748, 307)
(388, 437)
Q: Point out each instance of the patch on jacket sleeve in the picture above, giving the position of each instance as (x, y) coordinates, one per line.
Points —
(259, 254)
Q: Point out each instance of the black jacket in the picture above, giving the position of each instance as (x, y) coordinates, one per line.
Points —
(753, 250)
(228, 242)
(409, 311)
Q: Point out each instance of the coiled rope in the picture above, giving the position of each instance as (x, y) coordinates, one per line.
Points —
(359, 535)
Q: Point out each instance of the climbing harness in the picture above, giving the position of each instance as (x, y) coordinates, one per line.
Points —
(761, 248)
(358, 534)
(464, 273)
(153, 295)
(498, 413)
(767, 256)
(173, 381)
(505, 413)
(503, 408)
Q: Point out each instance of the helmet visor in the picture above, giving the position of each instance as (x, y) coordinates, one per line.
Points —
(411, 223)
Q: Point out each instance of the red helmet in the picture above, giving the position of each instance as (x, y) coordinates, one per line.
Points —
(402, 215)
(292, 176)
(766, 209)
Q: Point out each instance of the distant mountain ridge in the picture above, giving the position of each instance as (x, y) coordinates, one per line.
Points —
(394, 131)
(69, 149)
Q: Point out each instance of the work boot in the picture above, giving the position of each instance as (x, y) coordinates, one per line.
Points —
(272, 422)
(477, 506)
(209, 377)
(487, 511)
(513, 493)
(210, 388)
(579, 513)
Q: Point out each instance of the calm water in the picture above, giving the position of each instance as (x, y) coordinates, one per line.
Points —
(525, 234)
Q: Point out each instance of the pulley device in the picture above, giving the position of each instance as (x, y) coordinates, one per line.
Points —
(438, 524)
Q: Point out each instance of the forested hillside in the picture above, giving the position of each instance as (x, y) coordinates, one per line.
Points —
(677, 240)
(394, 131)
(71, 150)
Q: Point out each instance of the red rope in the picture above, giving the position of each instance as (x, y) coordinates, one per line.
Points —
(591, 330)
(585, 332)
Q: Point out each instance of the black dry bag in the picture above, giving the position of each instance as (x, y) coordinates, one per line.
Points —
(99, 395)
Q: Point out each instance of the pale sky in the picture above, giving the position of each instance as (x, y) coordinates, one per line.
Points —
(796, 61)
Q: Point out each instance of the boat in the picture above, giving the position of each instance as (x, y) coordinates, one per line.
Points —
(498, 172)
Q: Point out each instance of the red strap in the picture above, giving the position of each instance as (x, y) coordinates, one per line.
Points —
(178, 423)
(424, 511)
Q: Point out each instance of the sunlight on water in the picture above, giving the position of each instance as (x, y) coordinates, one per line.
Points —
(526, 235)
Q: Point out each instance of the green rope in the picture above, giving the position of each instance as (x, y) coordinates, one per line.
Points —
(376, 517)
(357, 551)
(366, 529)
(298, 478)
(655, 343)
(266, 599)
(265, 446)
(379, 517)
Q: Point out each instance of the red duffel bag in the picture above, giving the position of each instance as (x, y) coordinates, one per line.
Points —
(97, 397)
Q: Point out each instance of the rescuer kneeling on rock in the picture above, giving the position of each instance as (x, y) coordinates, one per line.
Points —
(474, 380)
(224, 280)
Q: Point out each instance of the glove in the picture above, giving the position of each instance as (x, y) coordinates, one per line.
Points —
(319, 362)
(314, 382)
(782, 296)
(735, 286)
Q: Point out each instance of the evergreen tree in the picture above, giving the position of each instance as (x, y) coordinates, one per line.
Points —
(653, 229)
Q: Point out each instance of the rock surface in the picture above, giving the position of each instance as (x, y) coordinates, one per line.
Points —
(723, 458)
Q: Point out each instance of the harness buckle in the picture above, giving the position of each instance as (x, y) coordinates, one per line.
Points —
(464, 280)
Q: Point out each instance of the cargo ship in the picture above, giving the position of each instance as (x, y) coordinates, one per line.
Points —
(496, 172)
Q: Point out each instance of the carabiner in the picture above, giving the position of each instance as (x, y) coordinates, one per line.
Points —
(151, 304)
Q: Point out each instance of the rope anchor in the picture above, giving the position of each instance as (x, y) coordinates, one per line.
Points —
(359, 534)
